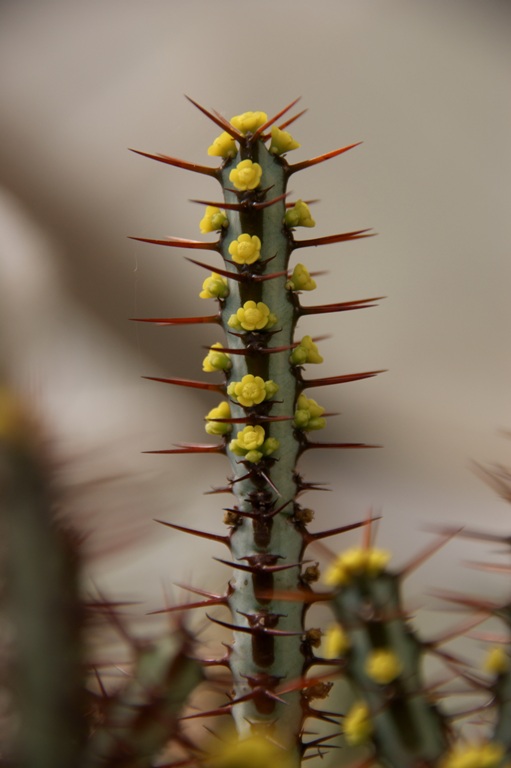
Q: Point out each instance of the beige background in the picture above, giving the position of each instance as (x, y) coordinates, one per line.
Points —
(425, 86)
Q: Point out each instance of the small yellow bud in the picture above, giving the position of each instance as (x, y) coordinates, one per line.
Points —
(216, 361)
(249, 122)
(252, 317)
(246, 175)
(222, 411)
(496, 661)
(308, 414)
(300, 280)
(337, 642)
(281, 141)
(213, 220)
(245, 249)
(305, 352)
(383, 666)
(485, 755)
(299, 216)
(223, 146)
(270, 445)
(214, 287)
(357, 725)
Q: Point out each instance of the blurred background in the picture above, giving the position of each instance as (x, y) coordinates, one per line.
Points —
(425, 86)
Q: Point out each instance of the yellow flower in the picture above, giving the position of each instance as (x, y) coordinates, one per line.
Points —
(222, 411)
(245, 249)
(214, 287)
(249, 391)
(300, 280)
(216, 361)
(299, 216)
(305, 352)
(357, 725)
(253, 752)
(213, 220)
(249, 122)
(281, 141)
(246, 175)
(337, 642)
(356, 562)
(485, 755)
(223, 146)
(383, 666)
(496, 661)
(252, 317)
(249, 439)
(308, 414)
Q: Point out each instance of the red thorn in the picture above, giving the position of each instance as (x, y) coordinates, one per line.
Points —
(190, 606)
(224, 489)
(465, 601)
(178, 320)
(240, 277)
(311, 537)
(258, 568)
(226, 710)
(274, 119)
(194, 532)
(343, 379)
(292, 120)
(218, 120)
(254, 630)
(321, 158)
(207, 171)
(458, 631)
(245, 205)
(319, 742)
(189, 383)
(253, 418)
(426, 553)
(191, 448)
(179, 242)
(344, 306)
(329, 239)
(203, 592)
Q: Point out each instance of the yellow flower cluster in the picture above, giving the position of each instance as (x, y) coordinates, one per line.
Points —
(252, 444)
(249, 122)
(214, 287)
(222, 411)
(252, 317)
(246, 175)
(299, 216)
(357, 725)
(337, 642)
(300, 280)
(216, 361)
(356, 562)
(213, 220)
(281, 141)
(253, 752)
(223, 146)
(245, 249)
(308, 414)
(305, 352)
(383, 666)
(485, 755)
(251, 390)
(496, 661)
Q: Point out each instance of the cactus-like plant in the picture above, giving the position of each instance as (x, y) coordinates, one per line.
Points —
(262, 424)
